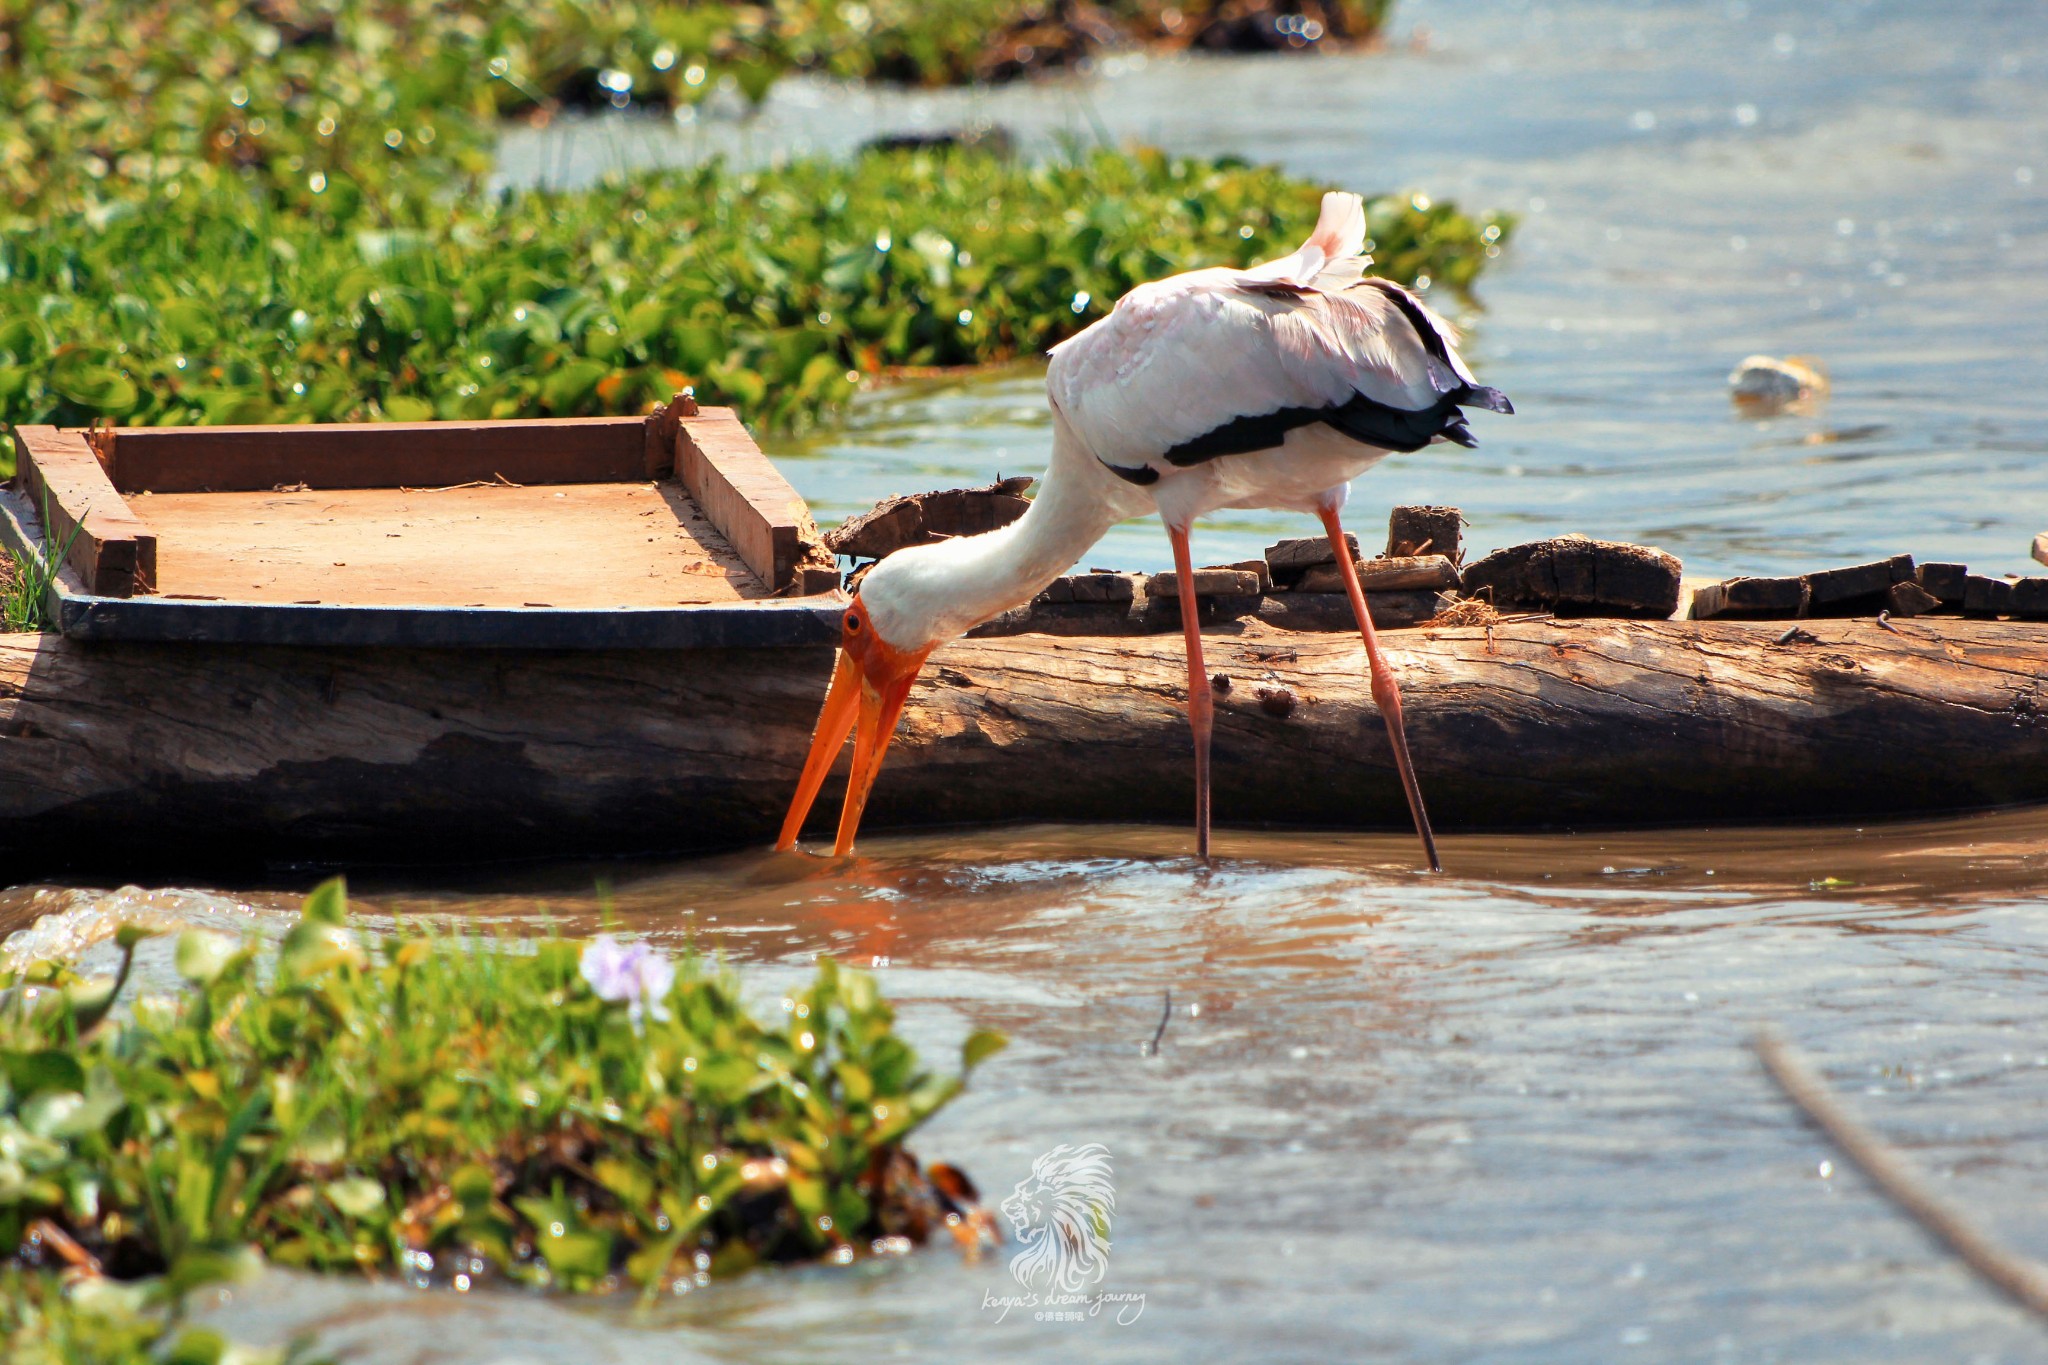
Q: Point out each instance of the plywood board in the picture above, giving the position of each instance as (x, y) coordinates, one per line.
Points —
(577, 546)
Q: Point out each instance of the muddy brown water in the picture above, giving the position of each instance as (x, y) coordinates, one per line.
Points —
(1504, 1114)
(1507, 1114)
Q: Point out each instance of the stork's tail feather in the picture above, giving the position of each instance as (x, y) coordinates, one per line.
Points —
(1493, 400)
(1328, 259)
(1340, 230)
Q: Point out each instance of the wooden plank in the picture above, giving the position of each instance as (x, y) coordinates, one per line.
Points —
(379, 454)
(112, 550)
(747, 498)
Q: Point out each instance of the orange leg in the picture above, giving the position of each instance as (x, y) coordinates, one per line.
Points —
(1201, 706)
(1386, 693)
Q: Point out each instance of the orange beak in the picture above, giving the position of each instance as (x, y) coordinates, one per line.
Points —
(869, 686)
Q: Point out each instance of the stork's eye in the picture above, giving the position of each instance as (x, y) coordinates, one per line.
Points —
(853, 623)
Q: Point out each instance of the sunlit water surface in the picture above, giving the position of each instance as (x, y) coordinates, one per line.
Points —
(1507, 1114)
(1864, 183)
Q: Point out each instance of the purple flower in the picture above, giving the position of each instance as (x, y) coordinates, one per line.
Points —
(631, 972)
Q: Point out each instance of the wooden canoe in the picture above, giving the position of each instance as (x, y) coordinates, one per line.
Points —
(118, 753)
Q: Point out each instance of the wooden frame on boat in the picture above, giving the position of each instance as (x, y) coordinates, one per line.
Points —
(665, 531)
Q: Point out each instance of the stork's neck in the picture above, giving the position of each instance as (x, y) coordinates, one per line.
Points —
(933, 593)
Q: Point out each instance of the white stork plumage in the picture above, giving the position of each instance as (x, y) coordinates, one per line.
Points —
(1269, 387)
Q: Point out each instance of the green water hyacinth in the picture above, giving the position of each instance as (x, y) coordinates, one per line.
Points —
(456, 1109)
(109, 100)
(778, 290)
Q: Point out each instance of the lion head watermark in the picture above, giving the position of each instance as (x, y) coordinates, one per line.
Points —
(1061, 1214)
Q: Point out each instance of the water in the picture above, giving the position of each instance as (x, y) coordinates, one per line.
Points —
(1865, 183)
(1506, 1115)
(1509, 1114)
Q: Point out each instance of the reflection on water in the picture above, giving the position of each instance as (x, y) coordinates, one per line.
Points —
(1862, 182)
(1504, 1114)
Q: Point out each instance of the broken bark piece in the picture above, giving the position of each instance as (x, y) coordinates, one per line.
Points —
(1426, 531)
(1576, 576)
(2030, 598)
(1098, 585)
(1984, 596)
(1090, 588)
(1208, 583)
(1414, 573)
(1910, 599)
(1331, 611)
(1290, 559)
(1761, 599)
(1944, 581)
(1839, 587)
(1256, 567)
(1277, 702)
(2041, 547)
(923, 518)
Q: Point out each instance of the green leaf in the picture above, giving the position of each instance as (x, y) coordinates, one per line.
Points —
(129, 934)
(98, 387)
(379, 247)
(328, 904)
(358, 1196)
(473, 1186)
(401, 407)
(203, 955)
(981, 1045)
(311, 949)
(44, 1069)
(570, 387)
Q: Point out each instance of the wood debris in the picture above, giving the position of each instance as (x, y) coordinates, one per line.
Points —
(1574, 575)
(1426, 530)
(925, 518)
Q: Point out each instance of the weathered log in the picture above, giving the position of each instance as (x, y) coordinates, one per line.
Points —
(117, 754)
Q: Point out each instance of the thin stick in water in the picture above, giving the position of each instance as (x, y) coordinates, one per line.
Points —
(1165, 1018)
(2022, 1280)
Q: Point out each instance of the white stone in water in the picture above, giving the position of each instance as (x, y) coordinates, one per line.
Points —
(1767, 382)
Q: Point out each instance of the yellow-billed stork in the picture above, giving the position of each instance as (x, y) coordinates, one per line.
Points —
(1268, 387)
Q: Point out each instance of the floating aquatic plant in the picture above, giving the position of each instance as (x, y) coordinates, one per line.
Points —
(102, 100)
(456, 1110)
(777, 290)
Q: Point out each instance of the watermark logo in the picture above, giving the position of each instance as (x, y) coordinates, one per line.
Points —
(1060, 1215)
